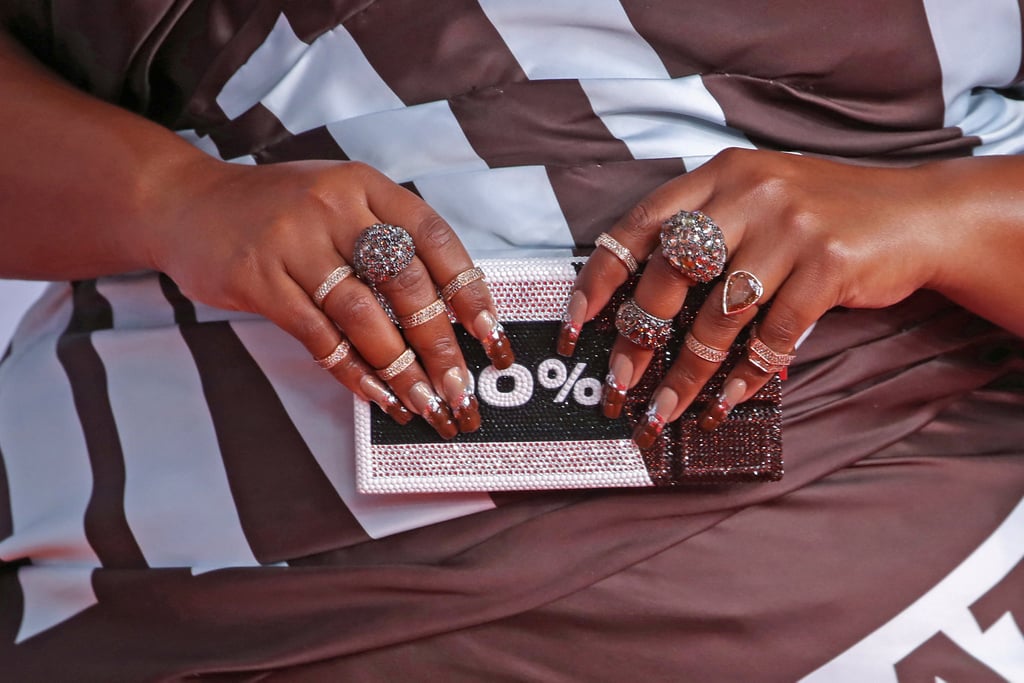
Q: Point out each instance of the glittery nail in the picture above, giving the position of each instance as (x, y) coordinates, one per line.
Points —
(572, 323)
(723, 404)
(430, 406)
(463, 403)
(492, 336)
(616, 384)
(656, 417)
(378, 392)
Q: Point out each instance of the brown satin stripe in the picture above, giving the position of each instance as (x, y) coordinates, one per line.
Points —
(577, 186)
(317, 143)
(184, 309)
(249, 133)
(11, 614)
(536, 123)
(108, 68)
(842, 89)
(1008, 596)
(942, 659)
(106, 526)
(287, 506)
(6, 518)
(442, 53)
(219, 38)
(774, 116)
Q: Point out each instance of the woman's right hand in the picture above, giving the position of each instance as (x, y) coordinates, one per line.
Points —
(263, 239)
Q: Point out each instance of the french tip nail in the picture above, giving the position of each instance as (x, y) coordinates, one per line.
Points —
(398, 413)
(492, 337)
(612, 403)
(568, 336)
(467, 415)
(572, 323)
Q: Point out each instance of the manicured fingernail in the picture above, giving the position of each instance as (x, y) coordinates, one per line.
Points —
(727, 398)
(492, 335)
(656, 417)
(430, 406)
(461, 399)
(616, 384)
(572, 323)
(379, 393)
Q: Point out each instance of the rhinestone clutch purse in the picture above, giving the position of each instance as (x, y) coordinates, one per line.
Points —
(541, 422)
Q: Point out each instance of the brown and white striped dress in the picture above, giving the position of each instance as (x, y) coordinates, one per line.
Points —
(176, 482)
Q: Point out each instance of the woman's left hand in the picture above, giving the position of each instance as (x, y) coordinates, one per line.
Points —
(812, 234)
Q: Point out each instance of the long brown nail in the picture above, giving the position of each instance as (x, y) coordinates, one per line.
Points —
(462, 401)
(572, 323)
(727, 398)
(492, 336)
(379, 393)
(616, 384)
(430, 406)
(655, 419)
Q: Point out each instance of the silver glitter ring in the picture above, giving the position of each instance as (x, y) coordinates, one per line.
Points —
(621, 252)
(460, 281)
(694, 245)
(702, 350)
(382, 251)
(640, 327)
(330, 282)
(428, 312)
(764, 358)
(336, 356)
(404, 360)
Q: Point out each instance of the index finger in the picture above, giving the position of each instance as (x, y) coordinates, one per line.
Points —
(635, 236)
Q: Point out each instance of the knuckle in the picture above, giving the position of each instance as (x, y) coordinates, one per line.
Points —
(782, 328)
(682, 374)
(355, 310)
(405, 284)
(309, 327)
(639, 220)
(440, 348)
(435, 234)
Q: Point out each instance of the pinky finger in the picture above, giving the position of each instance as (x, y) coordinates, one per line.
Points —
(352, 371)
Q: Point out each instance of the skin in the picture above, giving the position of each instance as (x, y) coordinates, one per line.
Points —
(128, 195)
(854, 236)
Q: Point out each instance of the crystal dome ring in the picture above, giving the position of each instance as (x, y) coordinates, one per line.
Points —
(694, 245)
(382, 251)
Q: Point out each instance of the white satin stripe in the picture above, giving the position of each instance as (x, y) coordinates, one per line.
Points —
(407, 143)
(660, 119)
(177, 499)
(997, 120)
(50, 479)
(977, 44)
(137, 302)
(946, 608)
(267, 65)
(46, 316)
(322, 411)
(496, 209)
(573, 39)
(52, 595)
(331, 81)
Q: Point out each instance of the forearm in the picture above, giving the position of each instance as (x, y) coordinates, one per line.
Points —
(81, 181)
(982, 247)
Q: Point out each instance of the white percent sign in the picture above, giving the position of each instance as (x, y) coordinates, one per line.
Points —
(552, 374)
